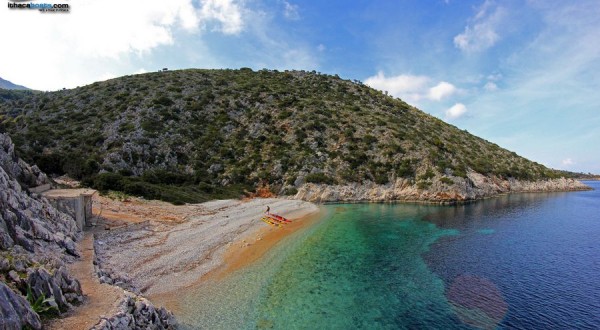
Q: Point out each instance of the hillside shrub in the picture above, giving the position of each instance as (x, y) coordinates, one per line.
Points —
(163, 100)
(106, 181)
(405, 170)
(319, 178)
(423, 184)
(427, 175)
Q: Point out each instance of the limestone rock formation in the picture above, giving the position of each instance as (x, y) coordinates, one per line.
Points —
(474, 186)
(137, 313)
(35, 242)
(30, 176)
(15, 311)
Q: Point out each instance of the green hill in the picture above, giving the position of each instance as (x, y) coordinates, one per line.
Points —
(191, 135)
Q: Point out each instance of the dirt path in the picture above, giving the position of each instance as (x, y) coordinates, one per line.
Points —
(100, 299)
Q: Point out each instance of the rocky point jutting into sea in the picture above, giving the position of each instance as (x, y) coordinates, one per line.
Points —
(474, 187)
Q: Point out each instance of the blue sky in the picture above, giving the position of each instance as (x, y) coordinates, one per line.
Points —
(522, 74)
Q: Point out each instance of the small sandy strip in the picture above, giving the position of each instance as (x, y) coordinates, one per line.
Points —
(245, 252)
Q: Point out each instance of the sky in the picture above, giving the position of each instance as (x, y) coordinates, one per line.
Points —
(524, 74)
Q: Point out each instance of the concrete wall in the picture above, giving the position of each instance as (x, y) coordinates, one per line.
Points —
(79, 207)
(40, 189)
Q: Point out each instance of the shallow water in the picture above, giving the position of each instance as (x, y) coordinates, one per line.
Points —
(517, 261)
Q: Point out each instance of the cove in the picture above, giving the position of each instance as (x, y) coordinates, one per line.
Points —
(516, 261)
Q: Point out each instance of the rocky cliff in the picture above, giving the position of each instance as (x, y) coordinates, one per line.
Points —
(457, 190)
(35, 242)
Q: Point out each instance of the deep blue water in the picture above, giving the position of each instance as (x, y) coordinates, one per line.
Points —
(541, 251)
(527, 261)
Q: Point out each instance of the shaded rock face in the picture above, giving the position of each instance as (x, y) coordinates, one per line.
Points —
(15, 311)
(474, 186)
(135, 312)
(59, 285)
(29, 176)
(35, 242)
(29, 220)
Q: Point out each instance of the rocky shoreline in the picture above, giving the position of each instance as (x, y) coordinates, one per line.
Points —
(461, 190)
(37, 242)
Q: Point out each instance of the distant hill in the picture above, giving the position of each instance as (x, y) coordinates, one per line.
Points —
(217, 131)
(8, 85)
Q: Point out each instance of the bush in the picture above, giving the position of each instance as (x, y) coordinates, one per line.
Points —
(166, 177)
(423, 184)
(50, 163)
(145, 189)
(447, 181)
(319, 178)
(427, 175)
(381, 178)
(405, 170)
(106, 181)
(460, 172)
(369, 139)
(163, 100)
(290, 192)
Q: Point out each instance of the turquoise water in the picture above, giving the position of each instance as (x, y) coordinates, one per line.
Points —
(518, 261)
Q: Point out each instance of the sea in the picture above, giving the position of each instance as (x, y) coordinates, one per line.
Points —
(518, 261)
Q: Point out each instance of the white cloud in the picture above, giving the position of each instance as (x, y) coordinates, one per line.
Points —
(411, 88)
(490, 86)
(481, 33)
(441, 90)
(568, 162)
(494, 77)
(107, 76)
(407, 87)
(226, 12)
(290, 11)
(271, 46)
(75, 48)
(456, 111)
(298, 59)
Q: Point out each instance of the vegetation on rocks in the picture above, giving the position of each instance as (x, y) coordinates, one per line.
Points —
(192, 135)
(36, 241)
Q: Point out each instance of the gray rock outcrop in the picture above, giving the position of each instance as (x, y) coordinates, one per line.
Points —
(27, 219)
(35, 242)
(475, 186)
(136, 312)
(29, 176)
(15, 311)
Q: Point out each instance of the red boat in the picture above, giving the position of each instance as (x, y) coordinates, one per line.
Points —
(278, 217)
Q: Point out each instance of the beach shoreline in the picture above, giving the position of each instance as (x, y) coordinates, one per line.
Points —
(159, 259)
(245, 252)
(240, 254)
